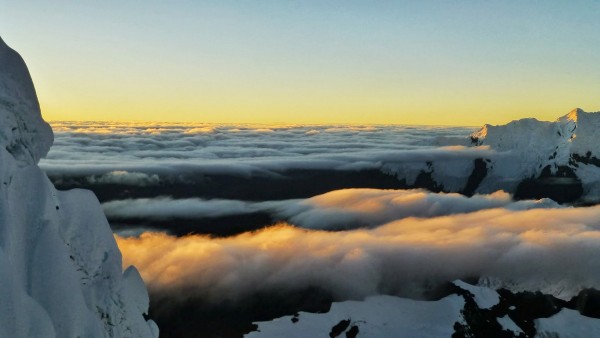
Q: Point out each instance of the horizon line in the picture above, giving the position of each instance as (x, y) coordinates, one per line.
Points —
(262, 123)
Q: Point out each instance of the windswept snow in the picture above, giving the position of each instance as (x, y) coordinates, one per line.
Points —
(60, 268)
(23, 132)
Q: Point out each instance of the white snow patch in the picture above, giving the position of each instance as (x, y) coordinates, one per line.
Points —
(376, 316)
(484, 297)
(508, 325)
(567, 324)
(23, 132)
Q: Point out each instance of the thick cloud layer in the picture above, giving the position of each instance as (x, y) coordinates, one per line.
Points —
(552, 250)
(170, 150)
(164, 208)
(437, 158)
(125, 178)
(341, 209)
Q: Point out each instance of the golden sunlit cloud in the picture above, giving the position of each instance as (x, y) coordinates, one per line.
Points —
(552, 250)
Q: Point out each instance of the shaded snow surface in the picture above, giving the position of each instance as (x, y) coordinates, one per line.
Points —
(472, 311)
(60, 268)
(567, 324)
(376, 316)
(484, 297)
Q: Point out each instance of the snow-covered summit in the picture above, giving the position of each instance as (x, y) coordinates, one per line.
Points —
(528, 158)
(574, 133)
(23, 132)
(60, 268)
(585, 132)
(535, 155)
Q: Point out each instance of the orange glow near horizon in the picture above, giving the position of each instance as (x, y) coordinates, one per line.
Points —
(414, 63)
(344, 109)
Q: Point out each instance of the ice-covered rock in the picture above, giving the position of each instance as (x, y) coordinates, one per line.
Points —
(23, 132)
(538, 155)
(60, 268)
(467, 311)
(537, 144)
(529, 158)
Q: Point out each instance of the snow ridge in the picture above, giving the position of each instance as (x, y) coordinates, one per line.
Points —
(566, 149)
(60, 268)
(23, 132)
(546, 143)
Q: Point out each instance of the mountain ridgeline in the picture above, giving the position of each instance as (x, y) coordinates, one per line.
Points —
(535, 159)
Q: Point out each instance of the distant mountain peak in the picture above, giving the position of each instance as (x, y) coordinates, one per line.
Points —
(572, 115)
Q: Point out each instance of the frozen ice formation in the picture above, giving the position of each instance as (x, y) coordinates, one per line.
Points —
(60, 268)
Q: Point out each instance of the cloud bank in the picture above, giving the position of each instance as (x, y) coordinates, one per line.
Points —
(171, 150)
(353, 208)
(552, 250)
(335, 210)
(125, 178)
(183, 153)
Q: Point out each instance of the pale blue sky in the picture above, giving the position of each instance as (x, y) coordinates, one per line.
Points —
(430, 62)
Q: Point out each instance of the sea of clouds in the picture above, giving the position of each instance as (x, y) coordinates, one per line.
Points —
(335, 210)
(551, 250)
(142, 152)
(350, 242)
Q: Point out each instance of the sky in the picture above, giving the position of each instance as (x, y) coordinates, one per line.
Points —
(309, 62)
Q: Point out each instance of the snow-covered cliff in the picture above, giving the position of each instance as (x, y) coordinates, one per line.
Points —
(564, 153)
(528, 158)
(60, 268)
(576, 133)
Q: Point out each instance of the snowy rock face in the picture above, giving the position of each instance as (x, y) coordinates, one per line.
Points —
(466, 311)
(23, 132)
(529, 158)
(564, 153)
(60, 268)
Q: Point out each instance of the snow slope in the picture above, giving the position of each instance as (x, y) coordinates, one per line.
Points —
(530, 145)
(527, 157)
(60, 268)
(567, 324)
(468, 311)
(376, 316)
